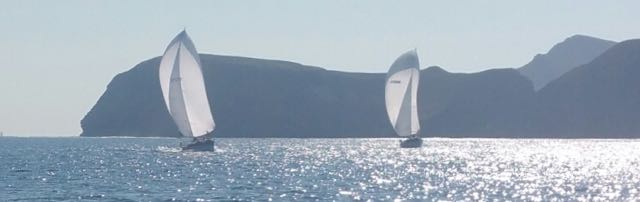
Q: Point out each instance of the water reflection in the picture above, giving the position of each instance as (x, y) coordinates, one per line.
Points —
(319, 169)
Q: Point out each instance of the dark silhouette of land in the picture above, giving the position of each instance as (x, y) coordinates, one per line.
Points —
(598, 99)
(268, 98)
(572, 52)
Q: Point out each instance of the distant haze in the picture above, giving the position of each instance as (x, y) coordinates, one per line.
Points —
(56, 57)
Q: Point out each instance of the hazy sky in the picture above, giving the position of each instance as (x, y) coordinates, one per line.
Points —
(57, 57)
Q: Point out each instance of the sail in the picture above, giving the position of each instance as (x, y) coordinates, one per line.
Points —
(183, 88)
(401, 90)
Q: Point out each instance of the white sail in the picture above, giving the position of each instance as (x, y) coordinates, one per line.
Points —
(401, 92)
(183, 87)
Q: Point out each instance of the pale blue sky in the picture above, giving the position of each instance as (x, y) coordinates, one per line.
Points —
(57, 57)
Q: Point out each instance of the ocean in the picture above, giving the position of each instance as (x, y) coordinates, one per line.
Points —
(153, 169)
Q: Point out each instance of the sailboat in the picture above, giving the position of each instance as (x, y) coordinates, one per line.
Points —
(184, 92)
(401, 90)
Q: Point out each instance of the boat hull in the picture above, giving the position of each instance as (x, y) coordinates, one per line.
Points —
(205, 146)
(411, 143)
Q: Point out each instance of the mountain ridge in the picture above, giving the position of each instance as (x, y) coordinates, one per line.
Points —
(271, 98)
(598, 97)
(562, 57)
(267, 99)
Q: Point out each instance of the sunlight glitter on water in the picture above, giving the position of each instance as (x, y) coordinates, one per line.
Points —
(61, 169)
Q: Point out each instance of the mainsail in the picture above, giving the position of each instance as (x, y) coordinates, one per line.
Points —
(183, 87)
(401, 92)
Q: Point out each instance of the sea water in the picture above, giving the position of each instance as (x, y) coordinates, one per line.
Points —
(153, 169)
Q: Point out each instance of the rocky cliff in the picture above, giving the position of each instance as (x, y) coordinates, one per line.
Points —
(266, 98)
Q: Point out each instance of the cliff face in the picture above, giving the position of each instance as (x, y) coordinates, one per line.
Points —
(265, 98)
(129, 106)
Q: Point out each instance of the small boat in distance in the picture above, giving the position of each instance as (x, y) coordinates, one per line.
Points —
(401, 92)
(184, 92)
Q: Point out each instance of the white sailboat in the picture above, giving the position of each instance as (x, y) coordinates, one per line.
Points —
(184, 92)
(401, 92)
